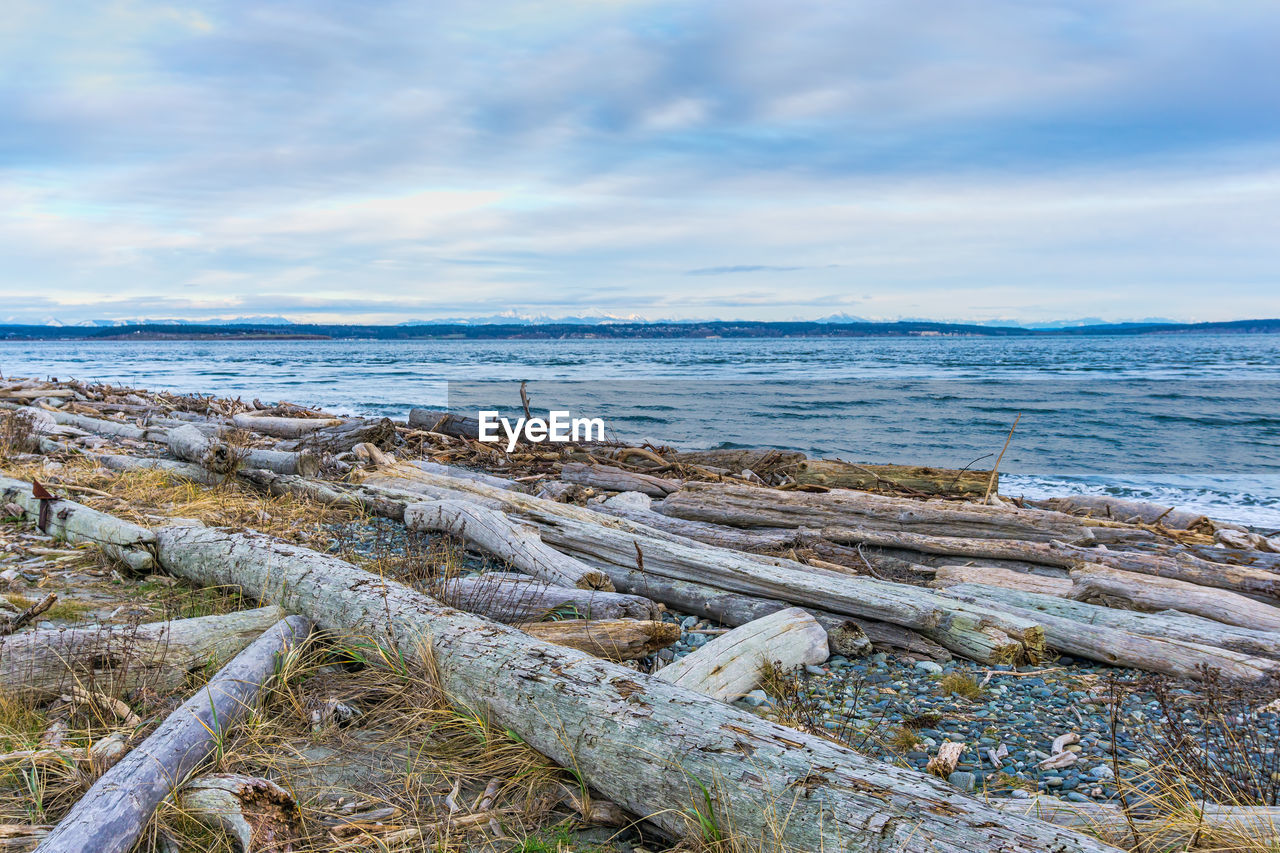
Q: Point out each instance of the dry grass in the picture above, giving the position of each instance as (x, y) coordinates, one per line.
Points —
(961, 685)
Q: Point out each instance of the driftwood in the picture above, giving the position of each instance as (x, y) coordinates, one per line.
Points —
(636, 507)
(1155, 654)
(191, 444)
(610, 479)
(63, 519)
(282, 427)
(445, 423)
(759, 460)
(340, 438)
(159, 655)
(731, 666)
(110, 817)
(10, 623)
(611, 639)
(1093, 582)
(100, 426)
(947, 576)
(610, 722)
(496, 534)
(508, 597)
(257, 813)
(1170, 624)
(1207, 826)
(751, 506)
(1120, 509)
(834, 474)
(462, 474)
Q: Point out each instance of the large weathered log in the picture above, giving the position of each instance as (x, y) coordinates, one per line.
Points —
(495, 533)
(731, 666)
(610, 479)
(750, 506)
(610, 722)
(191, 444)
(100, 426)
(113, 659)
(759, 460)
(947, 576)
(1155, 654)
(635, 506)
(507, 597)
(835, 474)
(1093, 582)
(282, 427)
(260, 815)
(110, 817)
(611, 639)
(1170, 624)
(332, 440)
(63, 519)
(462, 474)
(445, 423)
(1120, 509)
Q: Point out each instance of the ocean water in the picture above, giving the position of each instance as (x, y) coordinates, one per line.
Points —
(1191, 420)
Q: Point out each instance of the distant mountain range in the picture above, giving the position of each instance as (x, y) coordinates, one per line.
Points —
(274, 328)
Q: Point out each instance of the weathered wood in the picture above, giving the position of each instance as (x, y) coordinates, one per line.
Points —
(496, 534)
(611, 639)
(100, 426)
(110, 817)
(282, 427)
(259, 814)
(1121, 509)
(462, 474)
(609, 721)
(751, 506)
(611, 479)
(129, 543)
(445, 423)
(759, 460)
(380, 432)
(1154, 654)
(731, 665)
(114, 659)
(835, 474)
(947, 576)
(1170, 624)
(1094, 582)
(507, 597)
(635, 506)
(190, 444)
(1207, 826)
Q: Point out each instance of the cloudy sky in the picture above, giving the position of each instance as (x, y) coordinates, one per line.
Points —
(379, 162)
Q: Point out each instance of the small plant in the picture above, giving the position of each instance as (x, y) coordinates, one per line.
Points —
(903, 739)
(961, 685)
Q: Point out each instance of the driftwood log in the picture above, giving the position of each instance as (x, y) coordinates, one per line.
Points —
(610, 479)
(610, 722)
(834, 474)
(946, 576)
(731, 665)
(340, 438)
(129, 543)
(111, 816)
(191, 444)
(1092, 582)
(509, 597)
(445, 423)
(111, 660)
(1120, 509)
(282, 427)
(260, 815)
(611, 639)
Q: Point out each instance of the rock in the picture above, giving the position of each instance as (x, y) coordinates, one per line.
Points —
(755, 698)
(929, 667)
(963, 780)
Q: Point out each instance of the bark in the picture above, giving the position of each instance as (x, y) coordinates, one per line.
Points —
(257, 813)
(610, 722)
(947, 576)
(445, 423)
(759, 460)
(1145, 592)
(112, 660)
(111, 816)
(750, 506)
(610, 479)
(129, 543)
(731, 665)
(494, 533)
(1122, 648)
(1169, 624)
(282, 427)
(611, 639)
(380, 432)
(507, 597)
(1120, 509)
(834, 474)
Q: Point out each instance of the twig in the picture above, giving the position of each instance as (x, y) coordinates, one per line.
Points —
(15, 622)
(995, 469)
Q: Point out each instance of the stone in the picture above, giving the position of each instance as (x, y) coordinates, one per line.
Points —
(963, 780)
(929, 667)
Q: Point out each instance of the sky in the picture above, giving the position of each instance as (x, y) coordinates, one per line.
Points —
(982, 160)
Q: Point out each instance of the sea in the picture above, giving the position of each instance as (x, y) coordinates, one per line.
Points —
(1186, 420)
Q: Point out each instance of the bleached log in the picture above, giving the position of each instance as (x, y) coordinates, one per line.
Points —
(462, 474)
(507, 597)
(835, 474)
(259, 814)
(191, 444)
(1211, 826)
(731, 665)
(1170, 624)
(129, 543)
(282, 427)
(494, 533)
(761, 460)
(611, 479)
(635, 506)
(750, 506)
(380, 432)
(114, 659)
(99, 426)
(1121, 509)
(610, 722)
(1154, 654)
(611, 639)
(947, 576)
(1093, 582)
(445, 423)
(110, 817)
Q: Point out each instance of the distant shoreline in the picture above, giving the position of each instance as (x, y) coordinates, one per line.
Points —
(736, 330)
